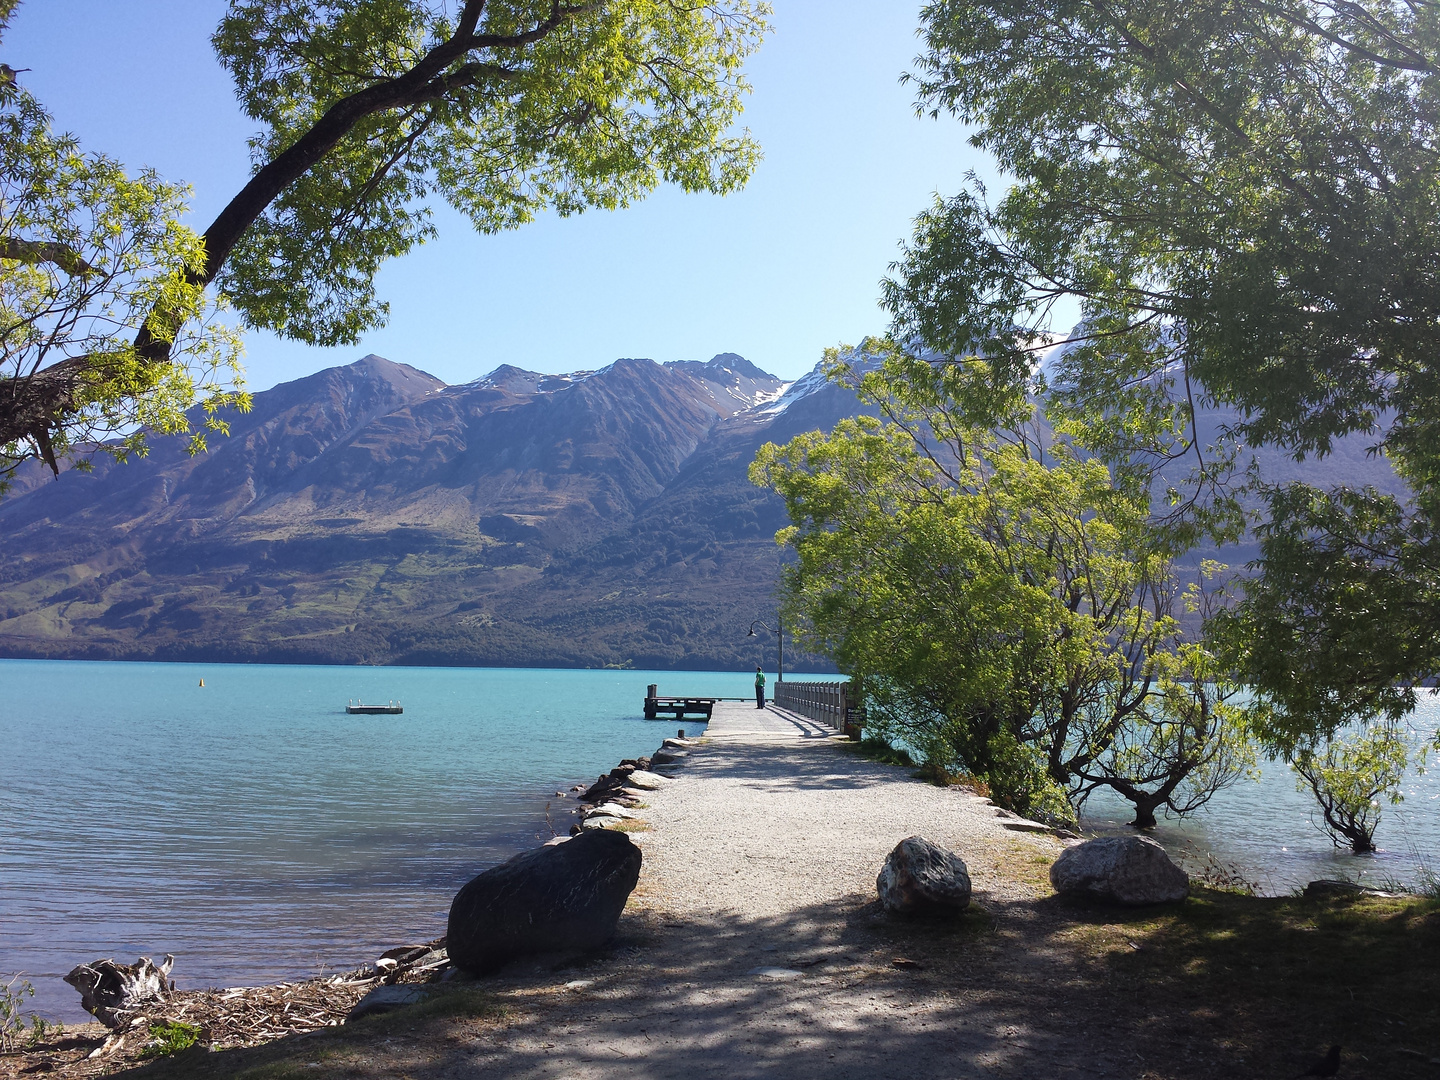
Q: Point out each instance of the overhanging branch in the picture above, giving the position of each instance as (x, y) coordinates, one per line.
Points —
(35, 252)
(35, 405)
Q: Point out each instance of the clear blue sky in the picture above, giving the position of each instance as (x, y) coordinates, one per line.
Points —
(777, 272)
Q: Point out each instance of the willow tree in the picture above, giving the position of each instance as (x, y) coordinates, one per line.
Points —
(1243, 198)
(1349, 776)
(369, 109)
(1004, 600)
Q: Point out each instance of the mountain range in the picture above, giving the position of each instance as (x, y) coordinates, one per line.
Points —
(371, 514)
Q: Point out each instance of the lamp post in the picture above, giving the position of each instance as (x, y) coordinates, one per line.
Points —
(779, 645)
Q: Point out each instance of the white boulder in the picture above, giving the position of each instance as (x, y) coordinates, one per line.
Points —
(1129, 870)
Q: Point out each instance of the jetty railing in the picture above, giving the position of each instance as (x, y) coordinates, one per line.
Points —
(833, 703)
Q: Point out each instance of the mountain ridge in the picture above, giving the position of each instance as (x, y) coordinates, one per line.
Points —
(372, 514)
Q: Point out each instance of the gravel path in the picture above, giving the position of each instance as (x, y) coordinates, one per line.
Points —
(754, 945)
(771, 815)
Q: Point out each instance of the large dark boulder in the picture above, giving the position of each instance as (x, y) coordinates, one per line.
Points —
(560, 898)
(922, 878)
(1128, 870)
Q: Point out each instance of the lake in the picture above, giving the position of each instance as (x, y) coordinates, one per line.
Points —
(259, 833)
(1262, 832)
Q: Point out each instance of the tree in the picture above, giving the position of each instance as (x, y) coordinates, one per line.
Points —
(1244, 198)
(89, 257)
(1349, 775)
(1172, 746)
(504, 108)
(1003, 600)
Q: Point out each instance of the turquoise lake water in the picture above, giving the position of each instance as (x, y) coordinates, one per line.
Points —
(1264, 831)
(259, 833)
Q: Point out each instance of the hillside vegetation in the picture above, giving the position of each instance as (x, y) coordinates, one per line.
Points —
(370, 514)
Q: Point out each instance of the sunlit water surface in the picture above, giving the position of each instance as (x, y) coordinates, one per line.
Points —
(1264, 833)
(258, 832)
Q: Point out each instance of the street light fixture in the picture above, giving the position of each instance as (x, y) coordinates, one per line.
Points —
(780, 647)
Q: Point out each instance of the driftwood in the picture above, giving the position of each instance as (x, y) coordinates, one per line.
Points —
(250, 1015)
(130, 998)
(116, 993)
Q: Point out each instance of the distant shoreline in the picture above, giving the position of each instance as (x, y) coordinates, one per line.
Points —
(261, 662)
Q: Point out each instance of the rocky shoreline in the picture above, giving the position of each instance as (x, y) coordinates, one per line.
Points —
(610, 800)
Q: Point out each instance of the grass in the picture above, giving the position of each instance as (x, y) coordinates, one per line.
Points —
(1364, 972)
(1426, 881)
(1222, 985)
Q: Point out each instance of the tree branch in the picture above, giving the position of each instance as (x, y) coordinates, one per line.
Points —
(29, 405)
(35, 252)
(1411, 61)
(34, 405)
(558, 14)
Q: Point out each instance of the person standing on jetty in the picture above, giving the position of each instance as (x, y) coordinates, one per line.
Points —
(759, 687)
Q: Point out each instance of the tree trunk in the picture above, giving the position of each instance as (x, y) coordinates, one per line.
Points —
(1145, 813)
(1362, 840)
(114, 993)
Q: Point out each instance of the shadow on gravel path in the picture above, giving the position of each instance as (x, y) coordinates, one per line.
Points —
(1013, 989)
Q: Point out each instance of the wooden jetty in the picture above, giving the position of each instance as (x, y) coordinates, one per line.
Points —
(837, 703)
(678, 708)
(392, 708)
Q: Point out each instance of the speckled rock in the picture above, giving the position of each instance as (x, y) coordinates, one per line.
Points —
(921, 878)
(1128, 870)
(644, 780)
(597, 821)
